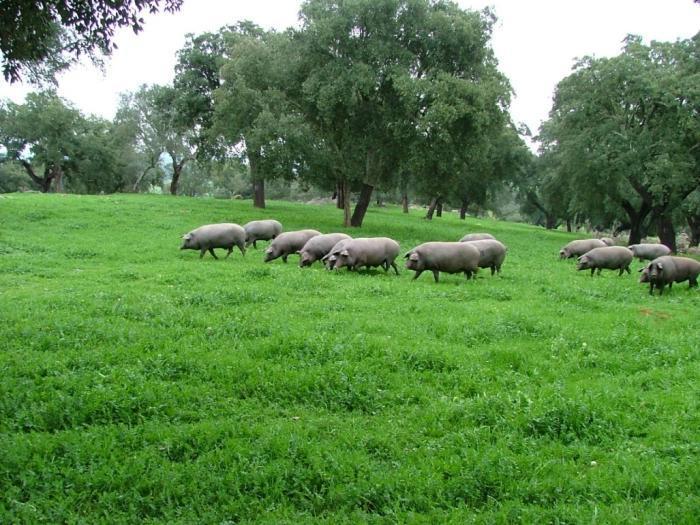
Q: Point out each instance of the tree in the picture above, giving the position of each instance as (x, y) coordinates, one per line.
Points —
(627, 129)
(385, 81)
(252, 111)
(161, 129)
(39, 39)
(40, 135)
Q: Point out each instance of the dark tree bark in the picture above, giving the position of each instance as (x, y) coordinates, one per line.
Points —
(666, 231)
(340, 194)
(550, 221)
(259, 193)
(177, 171)
(43, 183)
(463, 209)
(636, 220)
(362, 204)
(432, 206)
(404, 203)
(694, 224)
(344, 190)
(568, 225)
(438, 209)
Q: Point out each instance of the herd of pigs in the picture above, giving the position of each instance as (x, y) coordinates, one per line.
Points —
(473, 251)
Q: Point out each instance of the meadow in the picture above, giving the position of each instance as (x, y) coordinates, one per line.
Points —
(142, 384)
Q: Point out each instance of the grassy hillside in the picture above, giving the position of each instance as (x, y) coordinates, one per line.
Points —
(140, 383)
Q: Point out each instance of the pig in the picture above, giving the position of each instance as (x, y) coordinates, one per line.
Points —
(649, 251)
(449, 257)
(577, 248)
(287, 243)
(668, 269)
(210, 236)
(491, 254)
(332, 256)
(318, 247)
(263, 230)
(369, 252)
(608, 257)
(476, 237)
(609, 241)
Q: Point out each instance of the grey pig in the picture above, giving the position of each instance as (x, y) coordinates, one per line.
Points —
(609, 257)
(369, 252)
(318, 247)
(668, 269)
(579, 247)
(210, 236)
(287, 243)
(449, 257)
(263, 230)
(649, 251)
(609, 241)
(491, 254)
(476, 237)
(332, 256)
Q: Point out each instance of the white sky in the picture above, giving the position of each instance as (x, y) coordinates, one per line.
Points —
(535, 41)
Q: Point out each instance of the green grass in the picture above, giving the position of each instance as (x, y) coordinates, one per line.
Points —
(142, 384)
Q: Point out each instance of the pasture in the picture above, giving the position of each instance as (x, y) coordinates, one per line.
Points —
(140, 383)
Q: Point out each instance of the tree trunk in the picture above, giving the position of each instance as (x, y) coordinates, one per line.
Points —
(177, 171)
(463, 209)
(58, 180)
(568, 225)
(176, 179)
(666, 231)
(343, 189)
(431, 207)
(694, 224)
(438, 209)
(380, 201)
(404, 202)
(340, 194)
(258, 193)
(362, 204)
(550, 221)
(43, 183)
(135, 187)
(637, 218)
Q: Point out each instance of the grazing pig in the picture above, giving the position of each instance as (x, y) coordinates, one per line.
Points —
(476, 237)
(449, 257)
(369, 252)
(210, 236)
(668, 269)
(577, 248)
(649, 251)
(609, 257)
(609, 241)
(332, 256)
(264, 230)
(287, 243)
(318, 247)
(491, 254)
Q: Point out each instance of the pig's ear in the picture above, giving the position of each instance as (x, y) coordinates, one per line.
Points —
(187, 236)
(660, 266)
(413, 257)
(642, 269)
(407, 254)
(298, 252)
(345, 253)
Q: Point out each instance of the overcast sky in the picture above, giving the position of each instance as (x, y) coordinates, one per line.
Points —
(536, 43)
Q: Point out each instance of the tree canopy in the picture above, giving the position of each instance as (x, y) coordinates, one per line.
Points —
(40, 38)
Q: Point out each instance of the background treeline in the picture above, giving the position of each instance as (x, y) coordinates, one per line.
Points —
(399, 100)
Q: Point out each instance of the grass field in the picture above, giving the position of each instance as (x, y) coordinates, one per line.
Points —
(142, 384)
